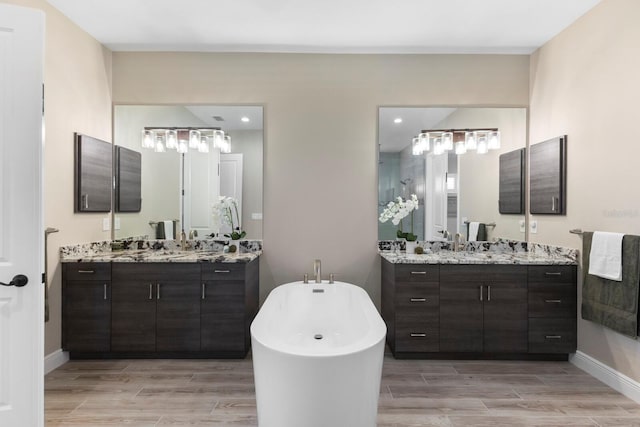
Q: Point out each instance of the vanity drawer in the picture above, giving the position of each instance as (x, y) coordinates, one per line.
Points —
(552, 273)
(223, 271)
(552, 300)
(552, 335)
(412, 297)
(417, 336)
(87, 271)
(417, 273)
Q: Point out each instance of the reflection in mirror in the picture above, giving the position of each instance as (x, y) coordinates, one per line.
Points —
(458, 193)
(204, 176)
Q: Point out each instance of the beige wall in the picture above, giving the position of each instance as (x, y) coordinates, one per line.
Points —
(584, 83)
(320, 135)
(77, 74)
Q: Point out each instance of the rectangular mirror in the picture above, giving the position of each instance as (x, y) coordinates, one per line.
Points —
(183, 187)
(454, 190)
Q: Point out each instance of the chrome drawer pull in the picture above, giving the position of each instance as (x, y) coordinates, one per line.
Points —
(419, 272)
(105, 291)
(418, 300)
(553, 301)
(158, 291)
(552, 273)
(420, 335)
(86, 271)
(150, 290)
(203, 287)
(553, 337)
(221, 271)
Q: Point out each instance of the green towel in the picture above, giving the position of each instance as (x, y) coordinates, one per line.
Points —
(610, 303)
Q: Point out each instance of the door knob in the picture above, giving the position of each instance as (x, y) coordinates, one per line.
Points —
(18, 281)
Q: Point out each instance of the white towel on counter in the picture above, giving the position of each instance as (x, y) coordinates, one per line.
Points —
(473, 231)
(168, 230)
(605, 257)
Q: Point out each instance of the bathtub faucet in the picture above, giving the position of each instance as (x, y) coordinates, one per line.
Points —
(316, 270)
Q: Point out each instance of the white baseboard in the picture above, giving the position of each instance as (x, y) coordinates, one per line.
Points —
(614, 379)
(55, 360)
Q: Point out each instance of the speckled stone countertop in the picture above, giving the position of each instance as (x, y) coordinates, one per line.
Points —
(502, 252)
(161, 251)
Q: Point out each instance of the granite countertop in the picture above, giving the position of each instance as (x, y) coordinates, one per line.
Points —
(145, 255)
(464, 257)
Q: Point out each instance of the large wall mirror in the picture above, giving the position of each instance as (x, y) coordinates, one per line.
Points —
(454, 190)
(183, 187)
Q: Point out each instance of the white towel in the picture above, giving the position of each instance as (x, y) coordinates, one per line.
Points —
(168, 230)
(605, 258)
(473, 231)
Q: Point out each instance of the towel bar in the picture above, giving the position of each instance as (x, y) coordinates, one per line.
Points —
(576, 231)
(154, 223)
(488, 224)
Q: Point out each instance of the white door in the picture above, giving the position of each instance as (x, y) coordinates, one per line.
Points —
(21, 230)
(436, 196)
(231, 180)
(202, 190)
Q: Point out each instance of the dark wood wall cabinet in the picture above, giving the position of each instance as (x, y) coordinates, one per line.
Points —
(158, 309)
(92, 174)
(511, 182)
(128, 180)
(548, 177)
(479, 311)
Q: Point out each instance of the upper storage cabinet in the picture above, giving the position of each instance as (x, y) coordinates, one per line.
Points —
(547, 175)
(511, 197)
(128, 167)
(93, 162)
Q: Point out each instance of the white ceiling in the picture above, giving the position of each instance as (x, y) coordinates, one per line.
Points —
(328, 26)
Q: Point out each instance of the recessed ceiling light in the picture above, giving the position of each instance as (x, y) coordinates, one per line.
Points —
(397, 120)
(245, 119)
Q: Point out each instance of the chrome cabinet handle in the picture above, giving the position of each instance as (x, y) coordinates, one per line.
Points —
(552, 273)
(481, 293)
(553, 337)
(553, 204)
(150, 290)
(553, 301)
(157, 290)
(105, 291)
(488, 292)
(221, 271)
(418, 335)
(419, 272)
(85, 198)
(418, 299)
(203, 288)
(86, 271)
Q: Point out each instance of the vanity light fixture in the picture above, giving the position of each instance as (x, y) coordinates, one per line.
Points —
(460, 140)
(184, 139)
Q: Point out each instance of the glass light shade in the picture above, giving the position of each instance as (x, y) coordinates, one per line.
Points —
(438, 146)
(172, 139)
(460, 147)
(203, 147)
(159, 147)
(415, 146)
(447, 140)
(470, 140)
(483, 146)
(424, 141)
(493, 140)
(226, 148)
(183, 146)
(218, 138)
(147, 139)
(194, 138)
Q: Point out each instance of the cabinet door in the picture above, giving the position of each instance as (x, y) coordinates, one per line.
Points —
(505, 317)
(511, 183)
(93, 167)
(548, 177)
(86, 316)
(460, 310)
(133, 311)
(222, 324)
(178, 316)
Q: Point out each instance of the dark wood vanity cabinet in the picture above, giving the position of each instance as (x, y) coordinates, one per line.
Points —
(483, 308)
(159, 309)
(479, 310)
(86, 307)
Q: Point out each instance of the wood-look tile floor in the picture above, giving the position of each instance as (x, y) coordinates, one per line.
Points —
(413, 393)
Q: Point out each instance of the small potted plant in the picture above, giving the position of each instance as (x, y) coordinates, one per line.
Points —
(397, 210)
(224, 212)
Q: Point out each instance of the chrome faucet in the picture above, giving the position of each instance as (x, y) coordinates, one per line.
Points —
(316, 270)
(458, 242)
(184, 244)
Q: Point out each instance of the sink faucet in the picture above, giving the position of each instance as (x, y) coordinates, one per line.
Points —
(316, 270)
(184, 245)
(458, 242)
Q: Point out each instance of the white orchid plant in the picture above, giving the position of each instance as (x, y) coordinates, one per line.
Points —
(397, 210)
(223, 213)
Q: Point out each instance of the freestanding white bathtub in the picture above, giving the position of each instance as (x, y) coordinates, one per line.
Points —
(317, 356)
